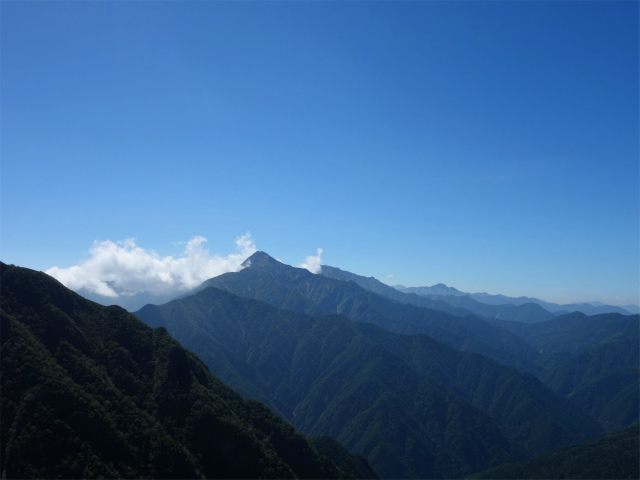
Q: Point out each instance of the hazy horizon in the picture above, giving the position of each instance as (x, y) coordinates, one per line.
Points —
(122, 269)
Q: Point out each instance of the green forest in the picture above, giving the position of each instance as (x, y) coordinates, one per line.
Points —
(91, 392)
(272, 386)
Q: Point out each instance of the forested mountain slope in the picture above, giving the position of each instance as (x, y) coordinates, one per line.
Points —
(602, 380)
(90, 391)
(594, 361)
(573, 333)
(297, 289)
(614, 456)
(414, 406)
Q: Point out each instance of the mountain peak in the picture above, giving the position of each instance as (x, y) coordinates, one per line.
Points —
(260, 259)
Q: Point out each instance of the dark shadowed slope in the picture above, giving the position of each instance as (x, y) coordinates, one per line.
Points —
(355, 464)
(327, 379)
(297, 289)
(90, 391)
(414, 406)
(614, 456)
(603, 381)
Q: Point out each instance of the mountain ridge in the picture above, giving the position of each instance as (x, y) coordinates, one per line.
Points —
(456, 304)
(330, 375)
(587, 308)
(593, 360)
(299, 290)
(92, 392)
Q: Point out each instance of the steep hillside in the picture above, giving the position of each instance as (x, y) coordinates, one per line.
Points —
(592, 361)
(357, 465)
(415, 407)
(614, 456)
(328, 379)
(90, 391)
(296, 289)
(603, 381)
(573, 333)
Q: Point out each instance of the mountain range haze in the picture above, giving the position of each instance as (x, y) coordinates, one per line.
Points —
(271, 331)
(431, 394)
(352, 239)
(124, 274)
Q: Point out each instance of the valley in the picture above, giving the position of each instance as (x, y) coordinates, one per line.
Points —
(411, 390)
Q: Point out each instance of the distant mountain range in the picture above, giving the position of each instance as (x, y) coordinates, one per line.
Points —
(297, 290)
(449, 300)
(589, 359)
(592, 360)
(444, 298)
(591, 308)
(415, 407)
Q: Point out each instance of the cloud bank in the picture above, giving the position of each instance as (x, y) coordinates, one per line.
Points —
(121, 269)
(313, 264)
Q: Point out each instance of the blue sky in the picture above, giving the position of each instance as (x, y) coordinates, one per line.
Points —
(491, 146)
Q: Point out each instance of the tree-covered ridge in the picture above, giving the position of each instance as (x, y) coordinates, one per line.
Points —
(613, 456)
(574, 333)
(297, 289)
(594, 361)
(414, 406)
(591, 360)
(90, 391)
(326, 378)
(350, 462)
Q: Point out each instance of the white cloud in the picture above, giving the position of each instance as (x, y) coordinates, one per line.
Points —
(390, 276)
(122, 268)
(313, 263)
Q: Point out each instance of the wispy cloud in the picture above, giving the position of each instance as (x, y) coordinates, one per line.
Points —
(122, 268)
(313, 263)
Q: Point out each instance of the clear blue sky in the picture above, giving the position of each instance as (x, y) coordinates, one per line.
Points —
(491, 146)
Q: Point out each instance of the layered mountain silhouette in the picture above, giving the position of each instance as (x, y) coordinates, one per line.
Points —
(413, 386)
(593, 308)
(299, 290)
(456, 303)
(591, 360)
(92, 392)
(413, 405)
